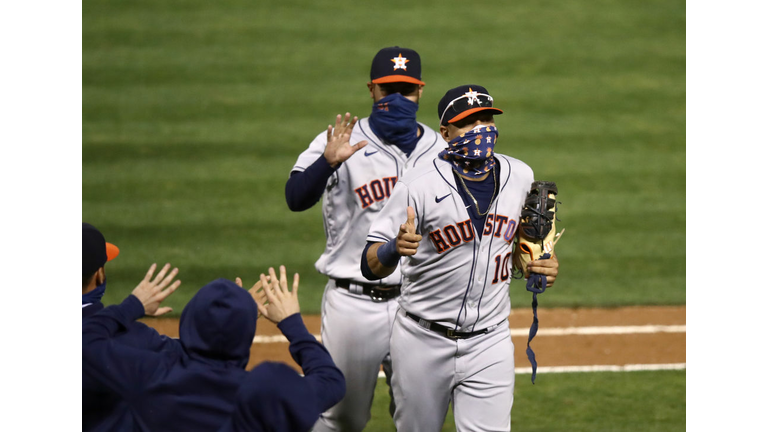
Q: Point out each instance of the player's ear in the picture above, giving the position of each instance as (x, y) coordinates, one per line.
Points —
(370, 89)
(101, 275)
(444, 133)
(421, 90)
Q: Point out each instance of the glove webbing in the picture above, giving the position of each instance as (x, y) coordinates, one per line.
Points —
(536, 284)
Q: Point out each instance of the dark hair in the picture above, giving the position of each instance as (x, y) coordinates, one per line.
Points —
(87, 279)
(404, 88)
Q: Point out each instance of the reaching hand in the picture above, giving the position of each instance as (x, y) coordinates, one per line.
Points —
(254, 289)
(274, 300)
(338, 149)
(152, 293)
(407, 239)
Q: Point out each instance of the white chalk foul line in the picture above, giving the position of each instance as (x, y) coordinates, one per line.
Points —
(563, 331)
(566, 331)
(595, 368)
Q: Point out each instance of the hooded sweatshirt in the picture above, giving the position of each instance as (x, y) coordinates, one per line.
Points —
(274, 398)
(179, 390)
(98, 401)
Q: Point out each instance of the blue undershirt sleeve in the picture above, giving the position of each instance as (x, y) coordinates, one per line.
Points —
(387, 254)
(305, 188)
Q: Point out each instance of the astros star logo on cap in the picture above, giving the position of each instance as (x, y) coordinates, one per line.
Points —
(472, 95)
(400, 62)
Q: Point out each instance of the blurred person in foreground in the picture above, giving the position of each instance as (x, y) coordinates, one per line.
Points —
(98, 402)
(194, 388)
(274, 397)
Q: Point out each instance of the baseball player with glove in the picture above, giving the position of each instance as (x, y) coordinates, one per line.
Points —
(355, 182)
(450, 225)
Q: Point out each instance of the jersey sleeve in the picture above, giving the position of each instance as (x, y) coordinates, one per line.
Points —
(310, 155)
(387, 223)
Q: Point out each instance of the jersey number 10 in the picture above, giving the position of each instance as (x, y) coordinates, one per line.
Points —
(503, 266)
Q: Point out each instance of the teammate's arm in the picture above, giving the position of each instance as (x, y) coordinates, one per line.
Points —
(117, 367)
(382, 258)
(281, 306)
(305, 188)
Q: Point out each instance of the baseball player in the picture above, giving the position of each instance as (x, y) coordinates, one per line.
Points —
(451, 340)
(355, 181)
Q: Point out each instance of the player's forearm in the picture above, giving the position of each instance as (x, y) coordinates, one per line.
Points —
(304, 348)
(375, 268)
(320, 372)
(98, 353)
(305, 188)
(113, 319)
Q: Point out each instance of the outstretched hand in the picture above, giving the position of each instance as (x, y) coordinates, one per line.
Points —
(338, 150)
(407, 239)
(152, 292)
(274, 300)
(253, 291)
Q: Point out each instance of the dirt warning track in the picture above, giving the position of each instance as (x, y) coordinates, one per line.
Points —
(647, 335)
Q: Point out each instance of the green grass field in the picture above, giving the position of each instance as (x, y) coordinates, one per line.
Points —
(581, 402)
(194, 113)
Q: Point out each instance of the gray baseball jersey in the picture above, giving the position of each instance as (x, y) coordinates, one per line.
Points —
(456, 278)
(459, 279)
(353, 196)
(357, 191)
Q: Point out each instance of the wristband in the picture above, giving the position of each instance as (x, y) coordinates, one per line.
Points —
(387, 254)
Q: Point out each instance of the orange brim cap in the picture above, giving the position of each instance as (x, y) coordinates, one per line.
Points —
(474, 110)
(397, 78)
(112, 251)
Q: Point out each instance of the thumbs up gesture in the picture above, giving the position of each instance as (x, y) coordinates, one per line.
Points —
(407, 239)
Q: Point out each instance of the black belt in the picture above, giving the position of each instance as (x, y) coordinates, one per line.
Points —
(447, 331)
(378, 293)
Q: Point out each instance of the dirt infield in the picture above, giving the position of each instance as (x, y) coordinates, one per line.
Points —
(627, 346)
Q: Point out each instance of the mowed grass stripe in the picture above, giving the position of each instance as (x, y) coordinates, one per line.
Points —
(194, 113)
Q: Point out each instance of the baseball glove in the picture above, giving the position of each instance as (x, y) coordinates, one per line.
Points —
(536, 235)
(536, 239)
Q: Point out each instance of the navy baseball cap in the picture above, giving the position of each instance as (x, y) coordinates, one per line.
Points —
(96, 250)
(463, 101)
(395, 64)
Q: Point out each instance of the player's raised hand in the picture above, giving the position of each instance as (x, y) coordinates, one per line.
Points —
(151, 292)
(338, 149)
(274, 300)
(407, 239)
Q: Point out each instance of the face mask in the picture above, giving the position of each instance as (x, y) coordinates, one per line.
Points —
(95, 295)
(475, 145)
(393, 119)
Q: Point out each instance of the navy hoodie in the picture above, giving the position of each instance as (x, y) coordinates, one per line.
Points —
(277, 399)
(98, 401)
(178, 390)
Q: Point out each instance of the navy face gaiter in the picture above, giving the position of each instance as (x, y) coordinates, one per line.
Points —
(393, 119)
(474, 145)
(95, 295)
